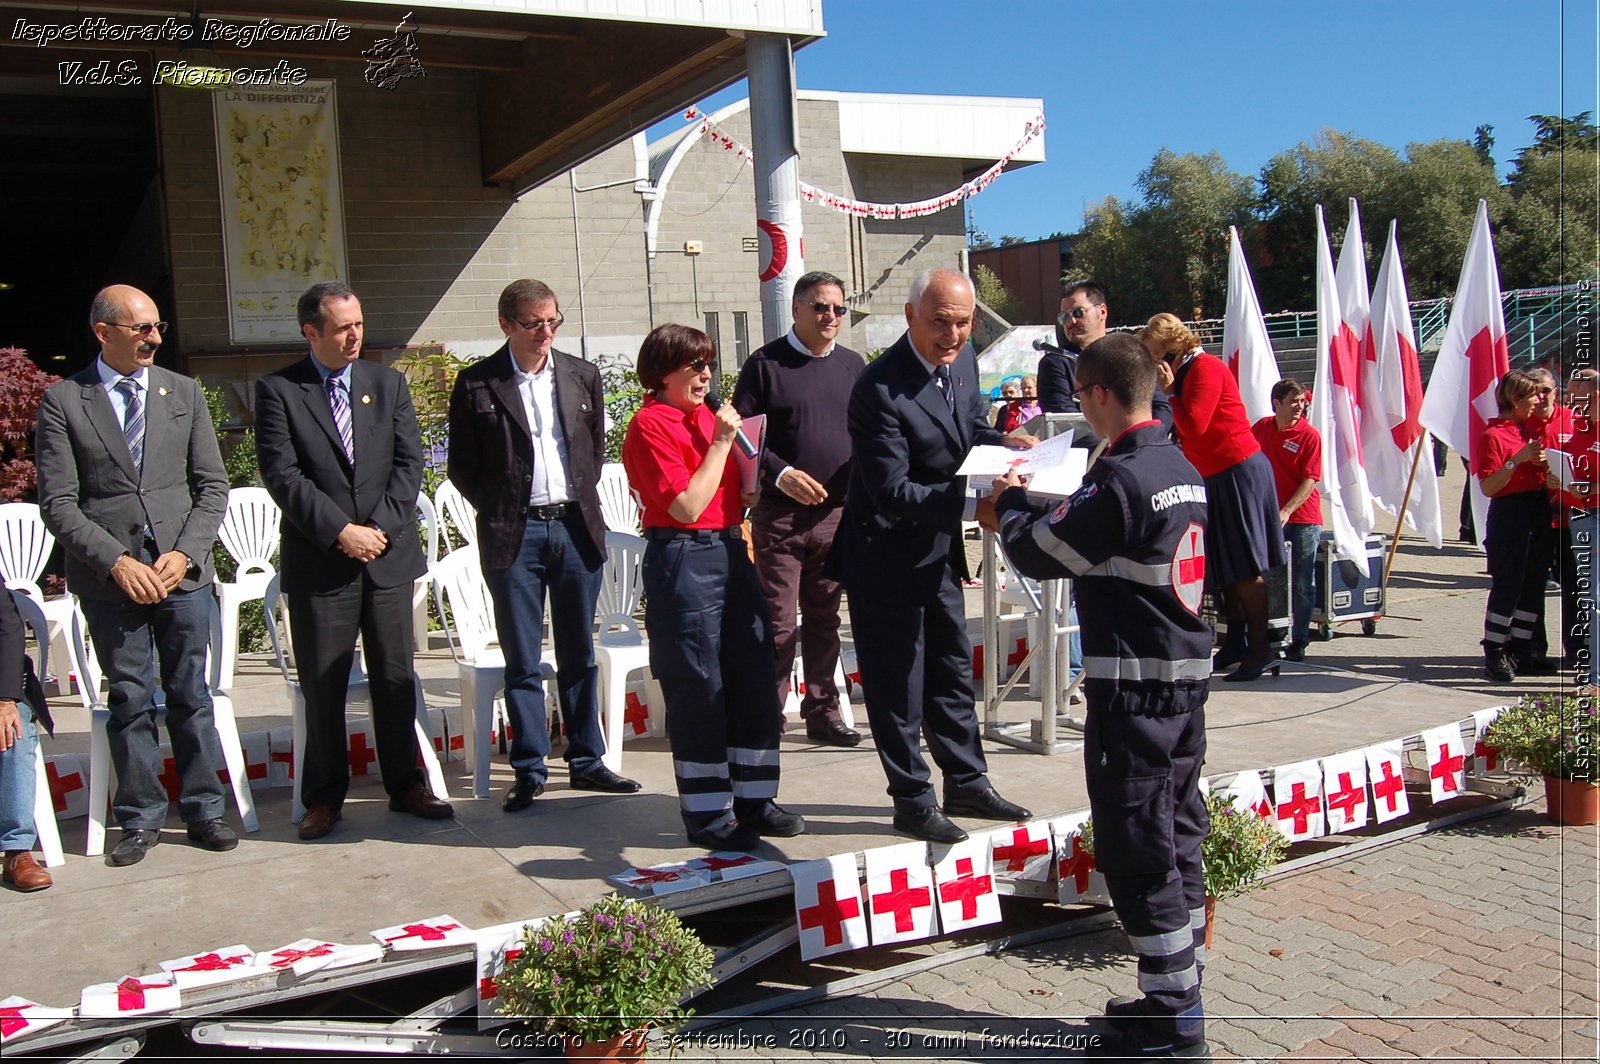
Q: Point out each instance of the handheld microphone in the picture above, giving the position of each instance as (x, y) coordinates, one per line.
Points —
(714, 403)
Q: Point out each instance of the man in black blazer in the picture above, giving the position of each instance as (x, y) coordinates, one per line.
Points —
(914, 414)
(341, 455)
(527, 439)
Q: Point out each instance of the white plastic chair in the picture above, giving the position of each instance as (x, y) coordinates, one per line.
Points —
(428, 517)
(454, 509)
(87, 667)
(359, 690)
(621, 648)
(44, 809)
(25, 546)
(617, 504)
(249, 533)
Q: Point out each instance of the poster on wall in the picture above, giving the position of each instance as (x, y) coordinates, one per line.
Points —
(282, 204)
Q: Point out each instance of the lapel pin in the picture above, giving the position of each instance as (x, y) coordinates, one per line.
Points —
(161, 391)
(366, 399)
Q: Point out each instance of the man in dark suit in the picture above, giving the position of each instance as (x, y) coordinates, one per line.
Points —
(132, 486)
(341, 455)
(913, 415)
(527, 439)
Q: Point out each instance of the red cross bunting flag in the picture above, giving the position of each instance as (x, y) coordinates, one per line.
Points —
(20, 1017)
(964, 885)
(663, 879)
(68, 777)
(257, 746)
(495, 946)
(1344, 789)
(1445, 755)
(213, 967)
(1485, 758)
(280, 751)
(304, 956)
(1384, 763)
(436, 932)
(1076, 876)
(1297, 800)
(827, 904)
(361, 749)
(133, 996)
(1247, 791)
(1022, 852)
(727, 865)
(900, 893)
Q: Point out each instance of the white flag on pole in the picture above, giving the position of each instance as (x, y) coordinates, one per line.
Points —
(1347, 505)
(1245, 346)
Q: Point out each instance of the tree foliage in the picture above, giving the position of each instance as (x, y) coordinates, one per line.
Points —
(993, 294)
(22, 386)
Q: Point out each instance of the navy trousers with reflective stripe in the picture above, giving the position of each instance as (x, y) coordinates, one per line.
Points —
(1516, 546)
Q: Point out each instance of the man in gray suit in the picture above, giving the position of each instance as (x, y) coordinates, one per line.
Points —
(132, 485)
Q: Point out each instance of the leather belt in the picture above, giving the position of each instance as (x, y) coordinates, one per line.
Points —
(554, 511)
(704, 535)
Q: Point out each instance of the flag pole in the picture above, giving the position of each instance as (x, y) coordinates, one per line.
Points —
(1394, 542)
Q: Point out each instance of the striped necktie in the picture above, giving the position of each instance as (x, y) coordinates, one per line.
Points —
(341, 417)
(133, 421)
(943, 373)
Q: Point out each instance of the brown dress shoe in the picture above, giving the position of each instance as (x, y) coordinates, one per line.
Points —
(23, 873)
(318, 822)
(419, 801)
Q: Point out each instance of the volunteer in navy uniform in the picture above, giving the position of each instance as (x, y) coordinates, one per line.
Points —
(1133, 537)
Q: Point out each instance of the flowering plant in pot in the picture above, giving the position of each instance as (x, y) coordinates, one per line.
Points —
(1556, 736)
(605, 975)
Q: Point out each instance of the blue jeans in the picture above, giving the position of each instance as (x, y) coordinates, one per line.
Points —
(1585, 635)
(17, 783)
(130, 641)
(549, 560)
(1303, 568)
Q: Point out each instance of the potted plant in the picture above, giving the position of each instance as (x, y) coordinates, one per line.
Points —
(603, 976)
(1557, 736)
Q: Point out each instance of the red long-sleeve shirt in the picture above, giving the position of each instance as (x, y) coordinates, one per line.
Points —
(1213, 428)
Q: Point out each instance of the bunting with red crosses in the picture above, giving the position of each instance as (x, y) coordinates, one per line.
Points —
(1022, 852)
(1078, 881)
(827, 906)
(1385, 764)
(496, 946)
(1485, 758)
(436, 932)
(131, 996)
(1344, 789)
(1445, 755)
(20, 1017)
(304, 956)
(1246, 791)
(1297, 800)
(900, 893)
(964, 880)
(213, 967)
(68, 778)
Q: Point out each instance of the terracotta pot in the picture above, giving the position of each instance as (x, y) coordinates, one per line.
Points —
(1211, 916)
(627, 1046)
(1572, 801)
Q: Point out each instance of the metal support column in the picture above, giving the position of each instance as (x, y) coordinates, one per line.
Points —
(774, 138)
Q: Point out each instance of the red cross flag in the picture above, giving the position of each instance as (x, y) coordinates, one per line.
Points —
(1347, 505)
(69, 788)
(213, 967)
(900, 894)
(20, 1017)
(1246, 791)
(1473, 357)
(827, 904)
(133, 996)
(1245, 346)
(1384, 763)
(306, 955)
(663, 879)
(1076, 877)
(1445, 756)
(728, 865)
(361, 749)
(257, 746)
(1485, 758)
(495, 946)
(964, 886)
(1022, 852)
(1297, 800)
(280, 751)
(436, 932)
(1344, 787)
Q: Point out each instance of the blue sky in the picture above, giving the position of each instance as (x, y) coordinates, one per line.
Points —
(1247, 78)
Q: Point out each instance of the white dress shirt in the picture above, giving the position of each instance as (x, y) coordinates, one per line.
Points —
(538, 390)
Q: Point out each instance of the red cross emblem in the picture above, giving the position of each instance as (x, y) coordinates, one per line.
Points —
(1348, 798)
(1014, 855)
(170, 780)
(645, 876)
(1300, 807)
(1077, 866)
(61, 786)
(717, 864)
(424, 932)
(488, 986)
(360, 755)
(12, 1020)
(1446, 769)
(212, 962)
(830, 912)
(1387, 788)
(283, 958)
(637, 714)
(966, 888)
(902, 899)
(130, 993)
(285, 757)
(1189, 568)
(1489, 755)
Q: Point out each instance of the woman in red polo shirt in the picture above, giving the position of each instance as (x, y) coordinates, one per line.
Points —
(1243, 535)
(710, 633)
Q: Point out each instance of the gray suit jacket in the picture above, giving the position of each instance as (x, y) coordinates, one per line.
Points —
(97, 505)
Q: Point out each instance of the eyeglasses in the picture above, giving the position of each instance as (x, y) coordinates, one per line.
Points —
(838, 310)
(1077, 393)
(699, 365)
(1075, 314)
(142, 328)
(541, 323)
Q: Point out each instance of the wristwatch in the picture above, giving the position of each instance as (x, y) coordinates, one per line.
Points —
(1511, 463)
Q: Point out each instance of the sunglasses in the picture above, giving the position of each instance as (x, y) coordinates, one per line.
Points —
(1075, 314)
(838, 310)
(552, 324)
(142, 328)
(699, 365)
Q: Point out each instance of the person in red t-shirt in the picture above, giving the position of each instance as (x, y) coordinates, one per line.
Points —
(1580, 624)
(1512, 470)
(1295, 450)
(1244, 537)
(710, 633)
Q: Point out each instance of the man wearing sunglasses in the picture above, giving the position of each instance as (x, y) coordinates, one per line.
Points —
(527, 440)
(802, 384)
(1081, 322)
(132, 486)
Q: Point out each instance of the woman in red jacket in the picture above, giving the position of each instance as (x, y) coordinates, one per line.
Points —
(1243, 536)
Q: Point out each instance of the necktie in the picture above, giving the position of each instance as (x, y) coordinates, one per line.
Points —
(943, 373)
(133, 421)
(341, 418)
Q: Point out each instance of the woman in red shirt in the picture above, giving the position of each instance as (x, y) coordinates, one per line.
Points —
(710, 632)
(1512, 471)
(1244, 538)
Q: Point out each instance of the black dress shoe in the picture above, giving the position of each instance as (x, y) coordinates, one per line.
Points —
(213, 834)
(131, 848)
(600, 778)
(1498, 664)
(774, 821)
(730, 836)
(521, 795)
(833, 732)
(1250, 673)
(929, 824)
(986, 804)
